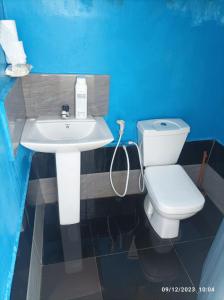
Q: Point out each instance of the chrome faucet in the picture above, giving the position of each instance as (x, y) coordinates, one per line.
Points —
(65, 111)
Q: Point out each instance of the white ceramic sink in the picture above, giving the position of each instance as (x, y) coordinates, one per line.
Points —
(57, 135)
(66, 138)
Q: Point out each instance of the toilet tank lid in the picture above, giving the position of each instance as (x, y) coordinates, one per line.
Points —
(163, 127)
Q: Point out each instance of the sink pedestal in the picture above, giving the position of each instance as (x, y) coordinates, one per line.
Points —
(68, 181)
(67, 139)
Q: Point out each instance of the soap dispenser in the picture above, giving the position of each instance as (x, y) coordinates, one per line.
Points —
(81, 98)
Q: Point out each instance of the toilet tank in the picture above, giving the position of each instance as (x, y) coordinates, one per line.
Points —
(161, 140)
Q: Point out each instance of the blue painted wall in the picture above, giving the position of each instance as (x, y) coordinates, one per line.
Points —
(14, 173)
(165, 58)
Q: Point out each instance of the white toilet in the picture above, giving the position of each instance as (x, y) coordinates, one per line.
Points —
(172, 195)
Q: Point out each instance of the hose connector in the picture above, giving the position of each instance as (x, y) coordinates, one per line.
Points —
(121, 123)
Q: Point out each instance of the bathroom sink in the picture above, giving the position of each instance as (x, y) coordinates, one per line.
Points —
(66, 138)
(58, 135)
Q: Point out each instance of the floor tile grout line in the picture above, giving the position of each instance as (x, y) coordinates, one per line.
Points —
(70, 261)
(192, 241)
(182, 263)
(98, 274)
(92, 239)
(210, 152)
(185, 269)
(133, 251)
(153, 247)
(110, 254)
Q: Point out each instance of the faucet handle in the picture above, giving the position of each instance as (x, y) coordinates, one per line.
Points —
(65, 107)
(65, 111)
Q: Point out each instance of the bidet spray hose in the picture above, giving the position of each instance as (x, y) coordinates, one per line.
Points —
(141, 183)
(121, 123)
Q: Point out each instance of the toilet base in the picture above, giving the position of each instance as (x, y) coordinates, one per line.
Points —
(164, 227)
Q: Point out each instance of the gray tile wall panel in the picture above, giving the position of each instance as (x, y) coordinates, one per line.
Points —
(16, 112)
(46, 93)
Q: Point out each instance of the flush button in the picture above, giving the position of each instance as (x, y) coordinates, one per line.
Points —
(163, 124)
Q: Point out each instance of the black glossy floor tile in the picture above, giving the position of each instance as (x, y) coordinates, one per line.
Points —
(43, 166)
(22, 265)
(142, 274)
(59, 238)
(133, 263)
(65, 243)
(99, 207)
(71, 280)
(109, 236)
(216, 160)
(122, 233)
(193, 255)
(51, 214)
(192, 152)
(21, 271)
(96, 296)
(202, 225)
(111, 206)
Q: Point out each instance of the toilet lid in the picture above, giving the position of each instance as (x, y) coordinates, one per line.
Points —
(172, 190)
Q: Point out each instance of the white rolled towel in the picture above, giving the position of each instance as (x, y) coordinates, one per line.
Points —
(15, 53)
(8, 31)
(12, 47)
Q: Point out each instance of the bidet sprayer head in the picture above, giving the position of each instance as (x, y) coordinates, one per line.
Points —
(121, 123)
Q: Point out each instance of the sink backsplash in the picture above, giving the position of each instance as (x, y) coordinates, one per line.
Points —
(45, 94)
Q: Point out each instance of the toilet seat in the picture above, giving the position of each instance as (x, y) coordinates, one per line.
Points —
(172, 191)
